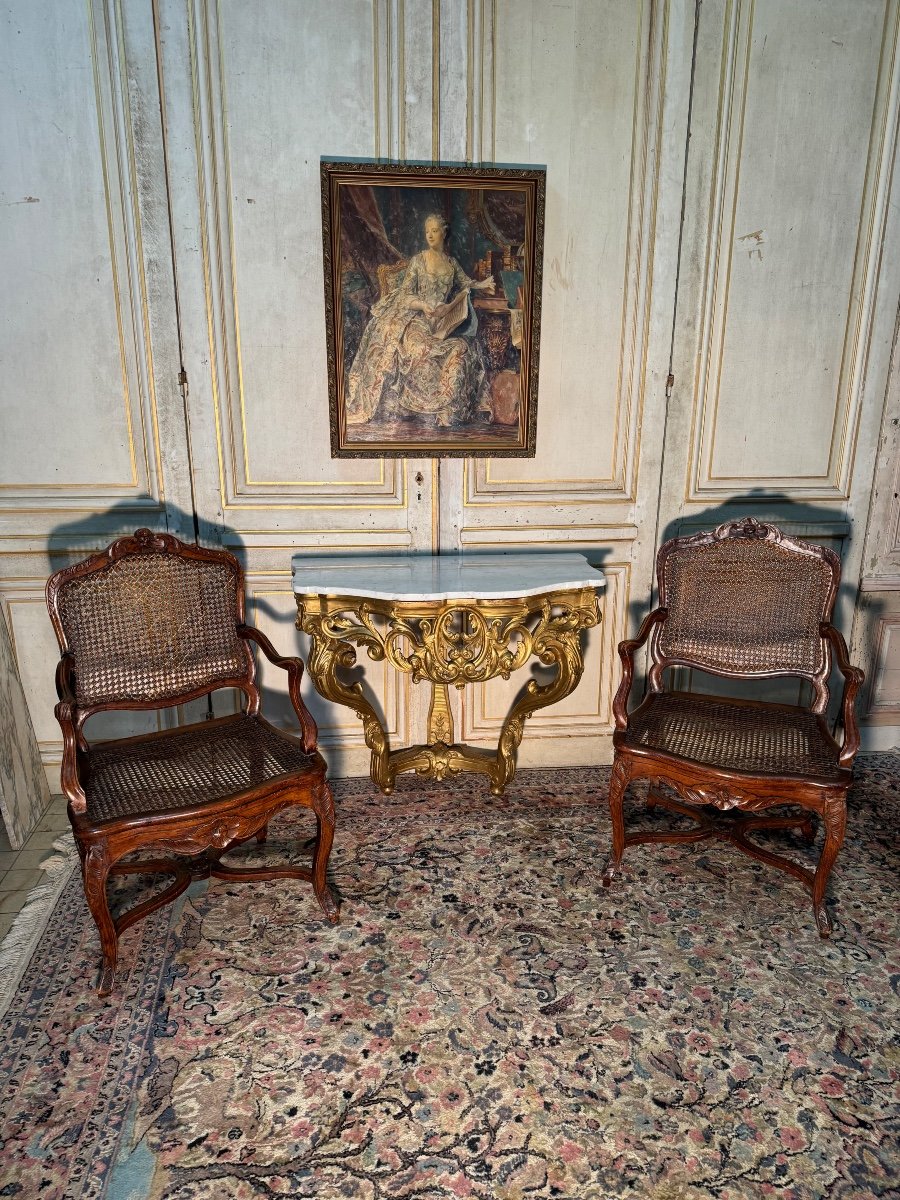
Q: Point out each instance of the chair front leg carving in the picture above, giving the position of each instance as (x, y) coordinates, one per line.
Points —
(323, 806)
(95, 868)
(834, 818)
(618, 784)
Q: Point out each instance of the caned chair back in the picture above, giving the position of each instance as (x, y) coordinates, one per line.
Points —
(746, 600)
(151, 622)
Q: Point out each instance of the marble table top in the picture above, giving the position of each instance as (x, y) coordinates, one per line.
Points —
(442, 577)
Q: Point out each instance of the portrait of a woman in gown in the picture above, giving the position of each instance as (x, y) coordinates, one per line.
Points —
(418, 357)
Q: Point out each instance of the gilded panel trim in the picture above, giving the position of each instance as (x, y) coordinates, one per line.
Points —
(834, 481)
(482, 487)
(237, 486)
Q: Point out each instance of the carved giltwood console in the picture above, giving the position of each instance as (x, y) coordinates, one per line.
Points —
(448, 639)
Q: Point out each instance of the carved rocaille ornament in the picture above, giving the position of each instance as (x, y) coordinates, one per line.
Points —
(721, 798)
(447, 642)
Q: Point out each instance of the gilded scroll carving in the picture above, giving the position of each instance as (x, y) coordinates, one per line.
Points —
(448, 642)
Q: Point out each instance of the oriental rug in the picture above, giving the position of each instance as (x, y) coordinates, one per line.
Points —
(487, 1020)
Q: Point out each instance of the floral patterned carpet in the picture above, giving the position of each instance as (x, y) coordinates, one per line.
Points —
(486, 1021)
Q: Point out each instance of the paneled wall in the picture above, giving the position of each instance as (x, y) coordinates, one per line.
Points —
(788, 284)
(92, 432)
(782, 335)
(876, 626)
(721, 280)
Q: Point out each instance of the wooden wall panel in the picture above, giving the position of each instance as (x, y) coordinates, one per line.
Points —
(246, 133)
(787, 264)
(789, 272)
(264, 238)
(92, 435)
(582, 89)
(247, 129)
(78, 401)
(884, 693)
(554, 68)
(790, 255)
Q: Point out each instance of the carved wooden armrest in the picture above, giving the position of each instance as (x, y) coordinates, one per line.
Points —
(853, 681)
(294, 668)
(66, 713)
(626, 654)
(65, 677)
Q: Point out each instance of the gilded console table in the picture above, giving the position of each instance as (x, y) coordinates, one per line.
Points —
(448, 619)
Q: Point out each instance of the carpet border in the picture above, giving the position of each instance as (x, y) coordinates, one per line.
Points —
(18, 947)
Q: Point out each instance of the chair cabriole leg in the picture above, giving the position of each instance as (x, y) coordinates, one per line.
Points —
(621, 773)
(834, 817)
(323, 806)
(95, 867)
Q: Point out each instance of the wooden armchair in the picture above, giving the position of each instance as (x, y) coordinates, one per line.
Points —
(147, 624)
(744, 602)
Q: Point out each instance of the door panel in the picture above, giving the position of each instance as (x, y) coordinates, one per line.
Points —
(598, 93)
(93, 439)
(782, 331)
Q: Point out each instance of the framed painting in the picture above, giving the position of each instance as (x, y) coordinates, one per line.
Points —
(433, 307)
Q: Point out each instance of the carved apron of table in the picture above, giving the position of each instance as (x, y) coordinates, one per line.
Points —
(448, 642)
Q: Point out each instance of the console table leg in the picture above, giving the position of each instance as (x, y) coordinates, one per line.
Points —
(456, 641)
(326, 654)
(558, 643)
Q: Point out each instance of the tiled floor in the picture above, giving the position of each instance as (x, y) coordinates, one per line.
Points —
(20, 869)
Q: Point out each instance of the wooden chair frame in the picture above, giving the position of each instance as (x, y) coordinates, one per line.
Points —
(198, 834)
(701, 785)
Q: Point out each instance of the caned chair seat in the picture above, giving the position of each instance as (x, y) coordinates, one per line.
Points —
(746, 602)
(753, 738)
(199, 764)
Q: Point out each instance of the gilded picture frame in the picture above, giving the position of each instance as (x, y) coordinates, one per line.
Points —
(432, 308)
